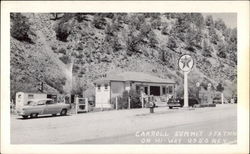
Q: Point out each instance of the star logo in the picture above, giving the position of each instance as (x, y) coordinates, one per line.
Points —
(185, 61)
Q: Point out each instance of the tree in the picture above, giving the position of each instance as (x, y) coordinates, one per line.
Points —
(63, 30)
(192, 39)
(182, 25)
(220, 25)
(213, 36)
(171, 43)
(198, 20)
(152, 39)
(21, 29)
(220, 88)
(99, 22)
(165, 30)
(56, 16)
(209, 21)
(206, 50)
(136, 21)
(221, 50)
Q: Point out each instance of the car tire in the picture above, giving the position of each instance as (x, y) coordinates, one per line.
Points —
(170, 107)
(34, 115)
(63, 112)
(25, 116)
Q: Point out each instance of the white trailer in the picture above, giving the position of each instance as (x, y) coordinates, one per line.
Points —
(22, 98)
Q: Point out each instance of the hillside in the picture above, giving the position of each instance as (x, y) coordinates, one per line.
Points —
(69, 51)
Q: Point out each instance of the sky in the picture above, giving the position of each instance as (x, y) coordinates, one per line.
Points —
(230, 19)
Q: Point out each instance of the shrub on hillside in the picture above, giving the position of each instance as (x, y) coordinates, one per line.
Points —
(106, 15)
(55, 83)
(132, 43)
(222, 55)
(156, 24)
(21, 29)
(165, 30)
(63, 30)
(206, 50)
(81, 17)
(99, 22)
(220, 25)
(209, 21)
(62, 51)
(145, 29)
(171, 43)
(198, 20)
(152, 39)
(136, 21)
(213, 36)
(65, 59)
(221, 50)
(219, 87)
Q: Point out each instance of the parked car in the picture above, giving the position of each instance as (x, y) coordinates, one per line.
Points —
(217, 100)
(179, 102)
(36, 107)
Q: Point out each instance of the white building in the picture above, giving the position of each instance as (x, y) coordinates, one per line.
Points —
(112, 86)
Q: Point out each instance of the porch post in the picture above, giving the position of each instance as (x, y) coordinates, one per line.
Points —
(160, 90)
(142, 101)
(116, 103)
(77, 102)
(87, 104)
(128, 102)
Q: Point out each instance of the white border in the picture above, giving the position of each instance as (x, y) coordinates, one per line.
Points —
(240, 7)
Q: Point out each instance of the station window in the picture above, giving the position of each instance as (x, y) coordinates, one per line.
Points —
(50, 102)
(170, 89)
(30, 96)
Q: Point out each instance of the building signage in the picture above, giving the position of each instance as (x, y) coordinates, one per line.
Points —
(186, 63)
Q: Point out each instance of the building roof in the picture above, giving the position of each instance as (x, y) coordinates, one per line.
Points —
(134, 76)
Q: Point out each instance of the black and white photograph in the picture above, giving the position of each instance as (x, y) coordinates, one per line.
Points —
(123, 78)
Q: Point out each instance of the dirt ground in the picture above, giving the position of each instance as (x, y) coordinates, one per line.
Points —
(127, 126)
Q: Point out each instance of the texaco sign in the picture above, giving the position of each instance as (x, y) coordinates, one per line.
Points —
(186, 63)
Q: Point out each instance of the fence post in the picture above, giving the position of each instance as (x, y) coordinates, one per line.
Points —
(76, 107)
(142, 102)
(128, 102)
(222, 98)
(116, 103)
(86, 105)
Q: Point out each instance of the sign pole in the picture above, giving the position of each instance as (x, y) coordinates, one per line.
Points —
(185, 89)
(186, 63)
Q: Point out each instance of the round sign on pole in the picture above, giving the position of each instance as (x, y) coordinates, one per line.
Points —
(186, 63)
(197, 84)
(209, 86)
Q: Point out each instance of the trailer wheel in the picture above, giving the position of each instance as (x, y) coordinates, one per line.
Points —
(25, 116)
(63, 112)
(34, 115)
